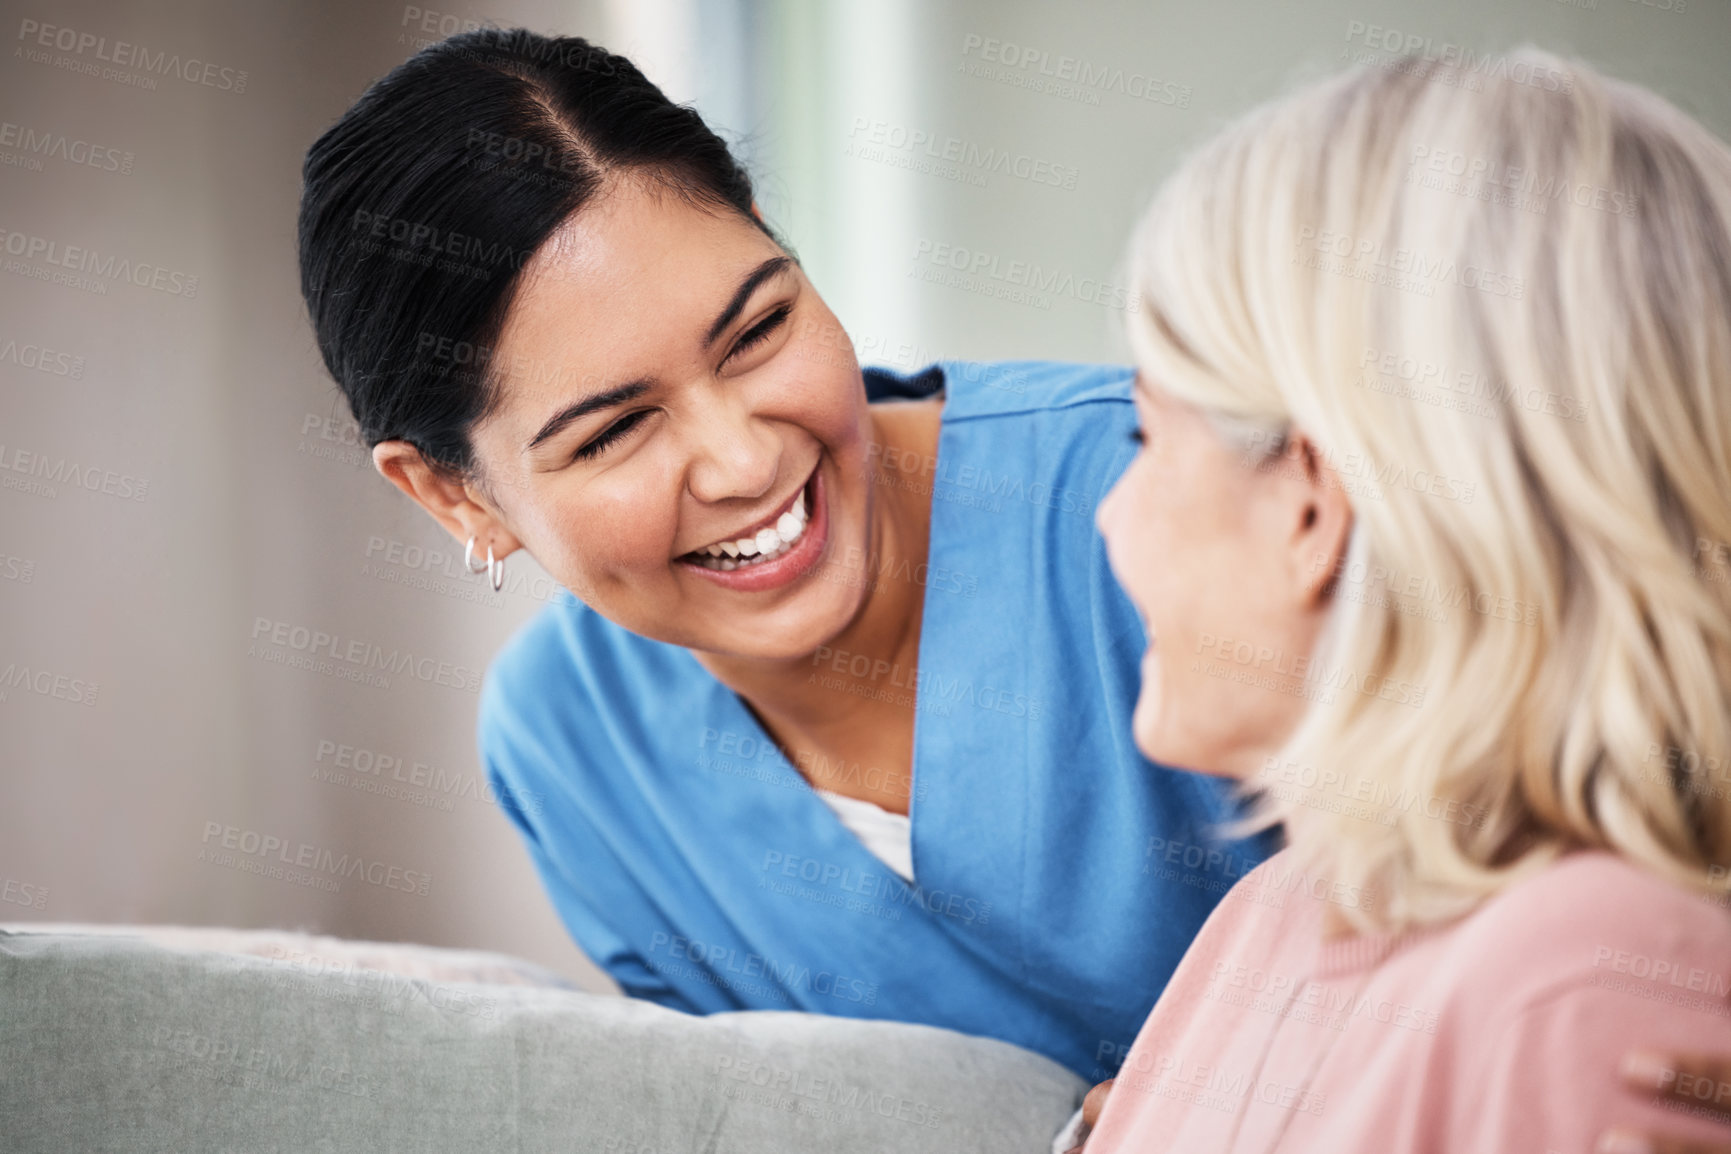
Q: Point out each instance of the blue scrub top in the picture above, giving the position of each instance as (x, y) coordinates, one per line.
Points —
(1058, 874)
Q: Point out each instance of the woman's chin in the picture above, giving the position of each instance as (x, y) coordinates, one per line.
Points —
(1145, 720)
(1160, 741)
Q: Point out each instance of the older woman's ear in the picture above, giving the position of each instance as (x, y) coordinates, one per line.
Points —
(1320, 522)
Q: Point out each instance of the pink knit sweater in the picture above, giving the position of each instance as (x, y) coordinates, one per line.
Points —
(1503, 1031)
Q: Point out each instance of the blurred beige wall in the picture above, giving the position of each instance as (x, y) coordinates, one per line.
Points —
(254, 522)
(885, 120)
(181, 500)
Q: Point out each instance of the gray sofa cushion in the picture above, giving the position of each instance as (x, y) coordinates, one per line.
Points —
(116, 1044)
(319, 953)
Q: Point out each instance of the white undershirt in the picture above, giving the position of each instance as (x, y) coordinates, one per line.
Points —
(889, 836)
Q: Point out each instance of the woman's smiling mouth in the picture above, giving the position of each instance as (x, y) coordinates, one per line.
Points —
(769, 539)
(773, 551)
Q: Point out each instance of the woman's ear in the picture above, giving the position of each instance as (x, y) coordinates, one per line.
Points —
(1321, 521)
(446, 498)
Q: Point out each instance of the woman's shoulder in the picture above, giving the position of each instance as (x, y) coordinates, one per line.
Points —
(984, 389)
(1593, 921)
(568, 658)
(1540, 994)
(975, 389)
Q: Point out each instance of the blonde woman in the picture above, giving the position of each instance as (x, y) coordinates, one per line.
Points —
(1440, 457)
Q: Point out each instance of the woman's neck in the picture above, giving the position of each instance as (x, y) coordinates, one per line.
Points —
(817, 714)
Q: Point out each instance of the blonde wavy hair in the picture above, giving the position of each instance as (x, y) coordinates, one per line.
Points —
(1505, 318)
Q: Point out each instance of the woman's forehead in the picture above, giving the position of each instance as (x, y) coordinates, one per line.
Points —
(636, 256)
(623, 290)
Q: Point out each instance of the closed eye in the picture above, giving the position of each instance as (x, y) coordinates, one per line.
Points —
(759, 332)
(619, 429)
(610, 434)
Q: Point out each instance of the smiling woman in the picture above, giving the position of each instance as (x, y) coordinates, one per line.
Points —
(712, 425)
(1500, 894)
(575, 335)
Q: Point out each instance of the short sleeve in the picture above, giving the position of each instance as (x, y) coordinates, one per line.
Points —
(1553, 1081)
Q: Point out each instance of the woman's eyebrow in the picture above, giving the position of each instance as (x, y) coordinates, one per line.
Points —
(603, 400)
(753, 279)
(634, 389)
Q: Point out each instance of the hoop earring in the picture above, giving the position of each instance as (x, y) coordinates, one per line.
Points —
(469, 558)
(495, 570)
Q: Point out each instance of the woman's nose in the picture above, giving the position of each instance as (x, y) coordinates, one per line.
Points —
(733, 453)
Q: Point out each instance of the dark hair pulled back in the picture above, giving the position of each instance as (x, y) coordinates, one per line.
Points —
(421, 205)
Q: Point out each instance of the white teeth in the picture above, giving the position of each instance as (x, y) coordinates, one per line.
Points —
(764, 545)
